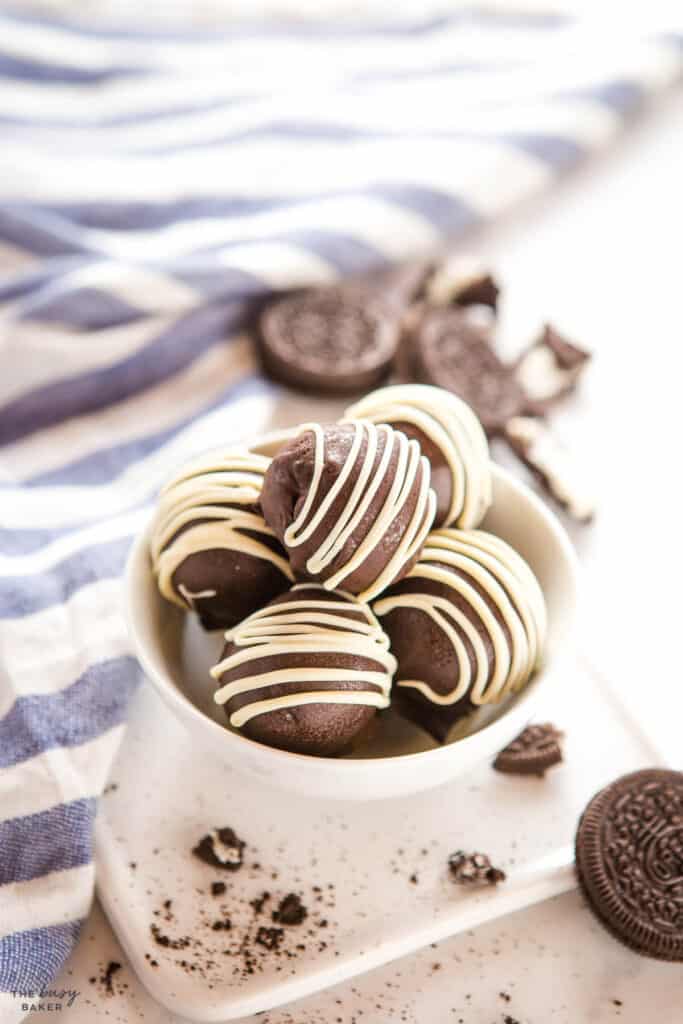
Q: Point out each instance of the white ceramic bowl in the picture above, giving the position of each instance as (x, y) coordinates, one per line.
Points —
(176, 655)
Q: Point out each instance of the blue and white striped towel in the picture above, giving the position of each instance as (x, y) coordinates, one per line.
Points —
(149, 184)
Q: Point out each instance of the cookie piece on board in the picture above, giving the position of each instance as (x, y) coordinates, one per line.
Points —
(536, 749)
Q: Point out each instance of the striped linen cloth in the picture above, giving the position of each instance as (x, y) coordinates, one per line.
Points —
(151, 183)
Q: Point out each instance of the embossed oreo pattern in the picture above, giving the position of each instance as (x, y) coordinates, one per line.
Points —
(629, 858)
(536, 749)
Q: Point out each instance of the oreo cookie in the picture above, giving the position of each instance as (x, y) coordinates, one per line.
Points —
(550, 369)
(474, 869)
(629, 860)
(221, 848)
(453, 353)
(535, 750)
(337, 339)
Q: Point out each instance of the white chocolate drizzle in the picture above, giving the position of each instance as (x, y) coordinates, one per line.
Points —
(411, 470)
(453, 428)
(305, 625)
(213, 493)
(456, 559)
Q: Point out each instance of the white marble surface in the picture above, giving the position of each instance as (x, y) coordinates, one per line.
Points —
(602, 258)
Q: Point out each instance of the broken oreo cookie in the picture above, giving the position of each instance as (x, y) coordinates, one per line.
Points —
(535, 750)
(453, 353)
(473, 869)
(290, 910)
(549, 369)
(221, 848)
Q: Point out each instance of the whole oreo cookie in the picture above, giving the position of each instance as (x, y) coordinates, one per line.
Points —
(629, 859)
(337, 339)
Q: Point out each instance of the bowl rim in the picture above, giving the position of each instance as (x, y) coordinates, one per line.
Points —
(183, 706)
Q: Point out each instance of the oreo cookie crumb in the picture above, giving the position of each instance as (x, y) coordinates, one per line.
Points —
(270, 938)
(112, 967)
(473, 869)
(225, 925)
(218, 888)
(290, 910)
(258, 903)
(221, 848)
(166, 941)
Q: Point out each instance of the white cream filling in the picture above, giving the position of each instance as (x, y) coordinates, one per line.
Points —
(554, 462)
(223, 852)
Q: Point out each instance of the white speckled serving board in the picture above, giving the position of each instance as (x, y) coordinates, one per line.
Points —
(352, 864)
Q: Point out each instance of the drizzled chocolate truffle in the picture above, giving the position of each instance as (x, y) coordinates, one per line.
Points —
(467, 627)
(449, 435)
(211, 549)
(351, 504)
(307, 673)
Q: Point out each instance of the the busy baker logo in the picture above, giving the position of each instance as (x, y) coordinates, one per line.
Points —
(47, 1000)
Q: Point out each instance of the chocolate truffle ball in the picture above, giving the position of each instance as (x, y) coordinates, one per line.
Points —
(351, 504)
(211, 549)
(467, 627)
(450, 436)
(307, 673)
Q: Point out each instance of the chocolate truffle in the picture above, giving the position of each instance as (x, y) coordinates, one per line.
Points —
(351, 504)
(307, 673)
(467, 627)
(211, 549)
(450, 436)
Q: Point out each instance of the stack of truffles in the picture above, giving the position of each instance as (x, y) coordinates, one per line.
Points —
(350, 574)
